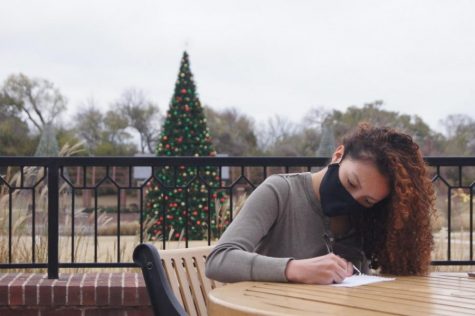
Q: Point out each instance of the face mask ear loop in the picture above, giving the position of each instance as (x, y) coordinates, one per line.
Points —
(336, 163)
(341, 159)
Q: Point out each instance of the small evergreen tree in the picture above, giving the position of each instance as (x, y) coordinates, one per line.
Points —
(48, 145)
(184, 193)
(327, 143)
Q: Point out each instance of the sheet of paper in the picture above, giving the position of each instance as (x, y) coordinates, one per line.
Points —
(357, 280)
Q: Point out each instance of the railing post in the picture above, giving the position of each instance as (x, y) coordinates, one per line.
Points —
(53, 222)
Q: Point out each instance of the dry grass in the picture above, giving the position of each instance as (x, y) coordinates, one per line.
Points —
(17, 221)
(460, 249)
(126, 229)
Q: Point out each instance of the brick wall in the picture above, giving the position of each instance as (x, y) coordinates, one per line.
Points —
(85, 294)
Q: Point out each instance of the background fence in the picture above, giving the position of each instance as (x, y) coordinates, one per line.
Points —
(50, 206)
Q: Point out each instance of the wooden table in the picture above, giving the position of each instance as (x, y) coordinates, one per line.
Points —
(437, 294)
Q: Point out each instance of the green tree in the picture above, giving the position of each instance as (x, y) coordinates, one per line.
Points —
(15, 138)
(67, 137)
(184, 133)
(37, 98)
(103, 134)
(89, 125)
(233, 132)
(115, 126)
(343, 122)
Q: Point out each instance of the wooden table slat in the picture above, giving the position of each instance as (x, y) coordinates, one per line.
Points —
(351, 298)
(437, 294)
(405, 295)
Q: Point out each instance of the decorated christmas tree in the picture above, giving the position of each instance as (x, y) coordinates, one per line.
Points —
(184, 193)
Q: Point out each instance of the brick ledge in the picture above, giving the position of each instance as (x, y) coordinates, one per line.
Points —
(82, 294)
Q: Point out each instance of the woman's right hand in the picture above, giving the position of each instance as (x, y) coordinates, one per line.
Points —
(325, 269)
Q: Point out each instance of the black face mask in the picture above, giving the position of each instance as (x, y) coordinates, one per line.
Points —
(335, 200)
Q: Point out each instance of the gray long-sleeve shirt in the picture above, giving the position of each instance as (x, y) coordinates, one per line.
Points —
(282, 219)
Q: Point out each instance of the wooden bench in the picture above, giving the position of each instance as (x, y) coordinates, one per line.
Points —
(175, 279)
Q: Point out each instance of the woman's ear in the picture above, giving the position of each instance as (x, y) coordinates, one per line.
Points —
(338, 154)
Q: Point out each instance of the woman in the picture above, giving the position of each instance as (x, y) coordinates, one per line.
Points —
(370, 207)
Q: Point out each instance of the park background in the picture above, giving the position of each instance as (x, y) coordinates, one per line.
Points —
(274, 79)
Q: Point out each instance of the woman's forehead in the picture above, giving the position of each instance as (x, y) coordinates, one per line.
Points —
(369, 177)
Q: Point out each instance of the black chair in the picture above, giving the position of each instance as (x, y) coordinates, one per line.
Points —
(162, 298)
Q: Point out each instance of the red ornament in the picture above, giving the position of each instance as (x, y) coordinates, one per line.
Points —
(165, 137)
(187, 108)
(183, 91)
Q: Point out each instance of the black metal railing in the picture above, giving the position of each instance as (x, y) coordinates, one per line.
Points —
(53, 185)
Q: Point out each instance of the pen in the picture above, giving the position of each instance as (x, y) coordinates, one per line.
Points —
(328, 244)
(357, 270)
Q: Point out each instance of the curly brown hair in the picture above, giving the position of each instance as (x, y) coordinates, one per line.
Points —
(396, 233)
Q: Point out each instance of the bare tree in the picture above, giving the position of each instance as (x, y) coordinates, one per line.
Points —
(37, 98)
(460, 130)
(277, 131)
(89, 124)
(454, 123)
(316, 117)
(142, 115)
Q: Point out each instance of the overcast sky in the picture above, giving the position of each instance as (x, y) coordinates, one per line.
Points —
(262, 57)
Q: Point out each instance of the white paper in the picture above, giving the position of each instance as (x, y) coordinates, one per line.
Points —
(357, 280)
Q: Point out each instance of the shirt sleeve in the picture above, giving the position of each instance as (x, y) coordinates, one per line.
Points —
(233, 259)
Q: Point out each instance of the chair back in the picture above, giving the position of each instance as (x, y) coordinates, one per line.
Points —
(183, 271)
(161, 296)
